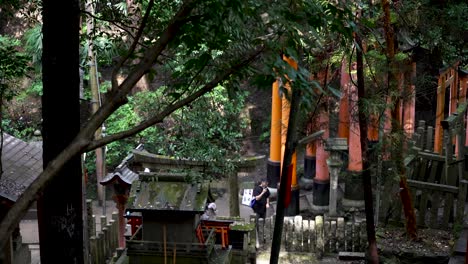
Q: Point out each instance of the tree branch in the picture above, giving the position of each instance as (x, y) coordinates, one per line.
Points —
(113, 22)
(133, 45)
(84, 137)
(173, 107)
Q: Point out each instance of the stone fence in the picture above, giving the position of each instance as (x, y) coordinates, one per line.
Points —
(316, 235)
(103, 236)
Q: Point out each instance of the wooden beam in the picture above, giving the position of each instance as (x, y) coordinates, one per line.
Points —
(311, 137)
(154, 161)
(431, 156)
(432, 186)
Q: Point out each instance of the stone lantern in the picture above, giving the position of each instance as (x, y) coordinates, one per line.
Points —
(336, 147)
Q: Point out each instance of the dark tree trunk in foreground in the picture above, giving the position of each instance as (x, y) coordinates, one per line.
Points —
(372, 253)
(291, 141)
(397, 152)
(60, 204)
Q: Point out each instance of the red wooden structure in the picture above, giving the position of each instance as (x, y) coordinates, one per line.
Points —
(221, 228)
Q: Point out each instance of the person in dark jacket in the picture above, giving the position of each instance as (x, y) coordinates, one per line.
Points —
(261, 195)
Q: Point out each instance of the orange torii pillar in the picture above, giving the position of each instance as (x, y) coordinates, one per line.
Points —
(310, 158)
(274, 162)
(321, 187)
(353, 195)
(446, 78)
(293, 208)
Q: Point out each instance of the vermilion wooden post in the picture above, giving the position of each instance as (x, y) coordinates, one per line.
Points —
(310, 160)
(343, 125)
(401, 82)
(453, 88)
(462, 99)
(410, 102)
(454, 96)
(274, 162)
(121, 200)
(387, 128)
(321, 187)
(439, 114)
(321, 172)
(355, 157)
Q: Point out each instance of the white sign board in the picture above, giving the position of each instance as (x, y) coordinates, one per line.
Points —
(247, 197)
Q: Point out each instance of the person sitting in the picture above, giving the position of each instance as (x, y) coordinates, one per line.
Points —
(210, 212)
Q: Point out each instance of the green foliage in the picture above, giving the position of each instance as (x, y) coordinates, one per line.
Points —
(13, 65)
(214, 36)
(447, 35)
(18, 128)
(210, 129)
(124, 118)
(33, 45)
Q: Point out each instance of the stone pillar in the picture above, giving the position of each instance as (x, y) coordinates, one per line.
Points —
(335, 147)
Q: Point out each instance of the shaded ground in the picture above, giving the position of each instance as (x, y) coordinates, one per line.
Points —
(430, 241)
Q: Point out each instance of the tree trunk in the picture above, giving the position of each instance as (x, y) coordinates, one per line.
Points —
(234, 209)
(291, 141)
(96, 100)
(397, 151)
(60, 207)
(83, 141)
(373, 256)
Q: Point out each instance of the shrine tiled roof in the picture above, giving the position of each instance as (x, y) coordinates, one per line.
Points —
(122, 173)
(22, 163)
(150, 193)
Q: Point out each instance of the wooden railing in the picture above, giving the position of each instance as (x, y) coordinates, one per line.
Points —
(438, 182)
(159, 248)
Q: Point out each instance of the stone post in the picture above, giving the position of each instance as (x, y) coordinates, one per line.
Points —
(89, 217)
(105, 244)
(103, 221)
(320, 236)
(94, 250)
(335, 146)
(110, 237)
(115, 217)
(112, 229)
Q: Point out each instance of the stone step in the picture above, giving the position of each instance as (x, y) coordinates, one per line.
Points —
(31, 214)
(460, 245)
